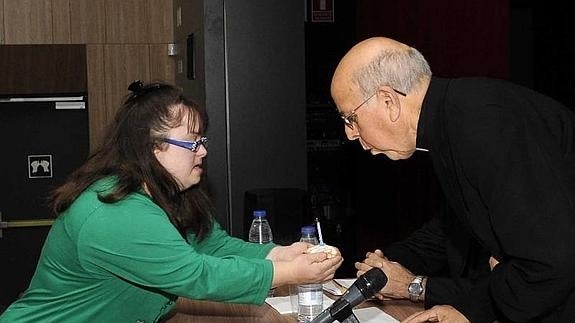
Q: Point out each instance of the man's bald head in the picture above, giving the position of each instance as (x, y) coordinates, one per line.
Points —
(389, 79)
(363, 53)
(379, 61)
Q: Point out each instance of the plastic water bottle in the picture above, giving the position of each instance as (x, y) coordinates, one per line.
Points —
(310, 296)
(260, 231)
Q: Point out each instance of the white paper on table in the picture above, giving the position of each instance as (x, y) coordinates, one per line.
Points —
(373, 315)
(282, 304)
(335, 290)
(347, 282)
(332, 288)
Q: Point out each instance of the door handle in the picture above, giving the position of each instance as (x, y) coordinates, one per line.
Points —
(23, 223)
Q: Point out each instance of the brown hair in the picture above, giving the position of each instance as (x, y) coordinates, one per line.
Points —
(127, 154)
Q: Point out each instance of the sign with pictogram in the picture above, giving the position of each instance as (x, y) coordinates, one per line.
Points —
(39, 166)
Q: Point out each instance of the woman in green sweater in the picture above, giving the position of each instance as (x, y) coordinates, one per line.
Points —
(135, 231)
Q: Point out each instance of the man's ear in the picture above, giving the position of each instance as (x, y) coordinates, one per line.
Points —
(390, 101)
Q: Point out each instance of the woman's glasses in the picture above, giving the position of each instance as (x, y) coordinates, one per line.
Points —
(190, 145)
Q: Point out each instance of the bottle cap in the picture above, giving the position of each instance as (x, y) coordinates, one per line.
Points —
(308, 229)
(259, 214)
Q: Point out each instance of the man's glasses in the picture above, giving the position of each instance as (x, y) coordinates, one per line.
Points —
(351, 117)
(190, 145)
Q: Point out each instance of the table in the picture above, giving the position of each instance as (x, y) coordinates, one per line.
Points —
(214, 312)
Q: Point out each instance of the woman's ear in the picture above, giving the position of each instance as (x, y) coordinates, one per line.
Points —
(159, 147)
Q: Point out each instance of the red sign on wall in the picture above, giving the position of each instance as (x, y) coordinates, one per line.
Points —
(322, 11)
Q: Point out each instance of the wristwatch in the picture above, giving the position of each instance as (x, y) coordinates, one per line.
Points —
(415, 288)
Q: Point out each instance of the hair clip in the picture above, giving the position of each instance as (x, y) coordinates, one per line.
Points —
(136, 87)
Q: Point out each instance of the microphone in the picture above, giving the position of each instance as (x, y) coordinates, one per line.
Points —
(363, 288)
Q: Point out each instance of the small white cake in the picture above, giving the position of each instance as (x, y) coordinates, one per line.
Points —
(329, 250)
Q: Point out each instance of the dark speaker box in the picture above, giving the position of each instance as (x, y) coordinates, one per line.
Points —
(286, 209)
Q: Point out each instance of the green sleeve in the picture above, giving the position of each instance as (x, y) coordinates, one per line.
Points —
(137, 242)
(219, 243)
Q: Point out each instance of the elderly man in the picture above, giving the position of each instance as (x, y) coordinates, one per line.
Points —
(504, 246)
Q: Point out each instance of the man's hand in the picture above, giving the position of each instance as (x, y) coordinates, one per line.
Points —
(398, 277)
(438, 313)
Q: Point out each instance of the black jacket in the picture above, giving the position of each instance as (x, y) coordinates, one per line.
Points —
(505, 158)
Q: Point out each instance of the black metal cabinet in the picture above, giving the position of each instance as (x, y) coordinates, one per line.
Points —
(248, 64)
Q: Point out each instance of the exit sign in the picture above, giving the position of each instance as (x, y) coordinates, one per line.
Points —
(322, 11)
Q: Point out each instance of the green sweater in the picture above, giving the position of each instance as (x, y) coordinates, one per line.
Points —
(125, 262)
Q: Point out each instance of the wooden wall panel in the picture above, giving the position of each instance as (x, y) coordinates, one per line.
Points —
(136, 21)
(87, 21)
(61, 21)
(162, 66)
(160, 21)
(1, 21)
(97, 93)
(127, 21)
(125, 39)
(122, 65)
(42, 69)
(28, 21)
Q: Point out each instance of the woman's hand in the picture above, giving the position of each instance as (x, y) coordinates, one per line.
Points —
(438, 313)
(304, 268)
(287, 253)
